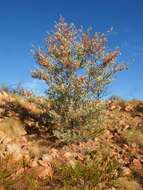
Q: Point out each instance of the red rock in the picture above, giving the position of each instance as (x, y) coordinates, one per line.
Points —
(2, 187)
(129, 108)
(137, 164)
(68, 155)
(43, 172)
(126, 171)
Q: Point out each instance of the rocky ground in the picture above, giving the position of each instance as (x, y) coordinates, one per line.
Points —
(113, 160)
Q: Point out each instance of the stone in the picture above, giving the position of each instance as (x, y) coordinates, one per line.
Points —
(126, 171)
(47, 158)
(137, 164)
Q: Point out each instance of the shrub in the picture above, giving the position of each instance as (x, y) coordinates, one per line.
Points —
(116, 98)
(77, 67)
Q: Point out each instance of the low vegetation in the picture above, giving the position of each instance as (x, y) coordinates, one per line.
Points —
(32, 158)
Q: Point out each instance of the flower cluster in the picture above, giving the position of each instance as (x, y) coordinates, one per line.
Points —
(39, 74)
(110, 57)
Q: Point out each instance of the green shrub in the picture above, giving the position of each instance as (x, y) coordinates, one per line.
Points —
(77, 67)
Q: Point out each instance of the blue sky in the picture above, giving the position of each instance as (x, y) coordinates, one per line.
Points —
(23, 23)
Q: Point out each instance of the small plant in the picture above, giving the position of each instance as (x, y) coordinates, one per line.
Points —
(134, 136)
(11, 178)
(123, 183)
(117, 98)
(101, 168)
(27, 181)
(6, 172)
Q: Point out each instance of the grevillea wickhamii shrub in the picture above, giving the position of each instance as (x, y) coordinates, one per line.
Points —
(77, 66)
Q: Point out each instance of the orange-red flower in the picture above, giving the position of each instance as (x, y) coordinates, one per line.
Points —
(110, 57)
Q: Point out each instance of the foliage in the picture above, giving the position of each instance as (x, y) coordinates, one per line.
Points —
(77, 66)
(16, 89)
(97, 172)
(86, 126)
(125, 184)
(134, 136)
(11, 176)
